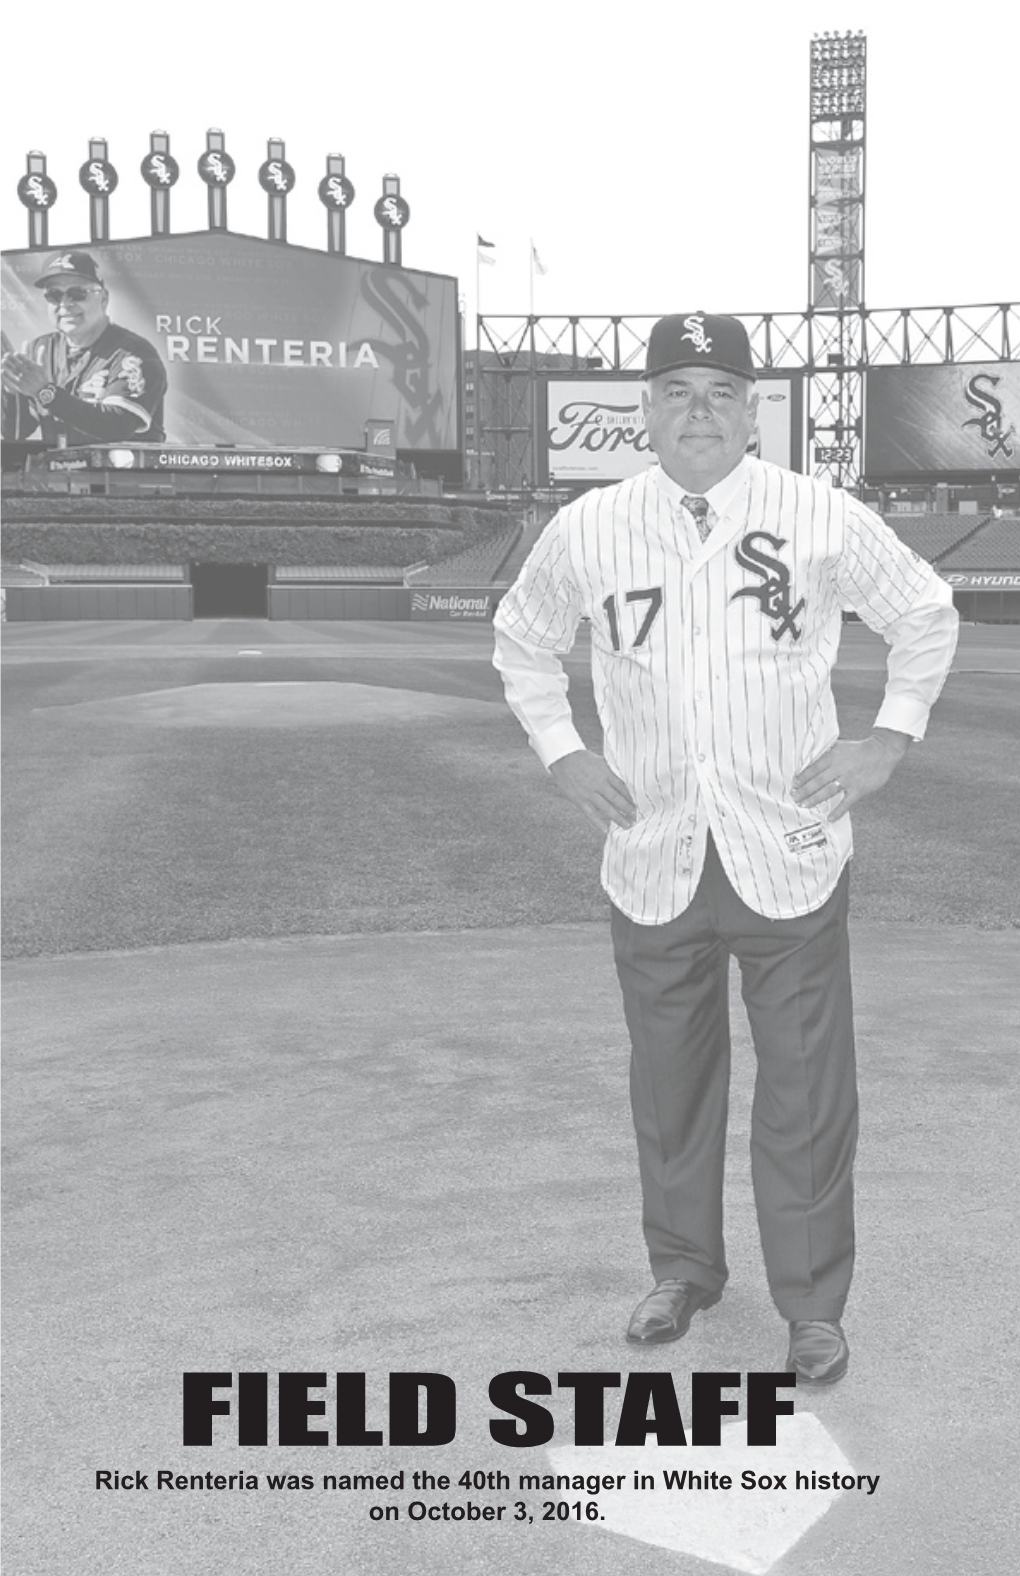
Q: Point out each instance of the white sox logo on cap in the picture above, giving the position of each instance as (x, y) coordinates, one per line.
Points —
(695, 327)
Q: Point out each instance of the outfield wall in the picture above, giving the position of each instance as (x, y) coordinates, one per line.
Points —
(474, 603)
(44, 604)
(302, 604)
(313, 603)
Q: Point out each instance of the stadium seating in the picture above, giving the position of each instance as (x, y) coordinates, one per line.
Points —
(116, 574)
(479, 565)
(22, 575)
(934, 535)
(338, 574)
(996, 545)
(529, 536)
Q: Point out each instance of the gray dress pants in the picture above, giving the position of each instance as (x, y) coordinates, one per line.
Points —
(796, 987)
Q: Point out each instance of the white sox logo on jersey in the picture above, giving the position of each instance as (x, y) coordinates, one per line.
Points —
(774, 592)
(695, 327)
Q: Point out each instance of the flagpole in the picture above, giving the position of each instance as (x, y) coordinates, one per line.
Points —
(531, 265)
(478, 362)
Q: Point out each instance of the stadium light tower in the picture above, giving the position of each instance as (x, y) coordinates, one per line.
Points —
(836, 263)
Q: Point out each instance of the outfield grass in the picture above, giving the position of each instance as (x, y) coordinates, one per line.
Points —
(121, 834)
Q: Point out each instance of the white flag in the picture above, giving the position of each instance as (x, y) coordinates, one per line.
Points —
(539, 266)
(484, 247)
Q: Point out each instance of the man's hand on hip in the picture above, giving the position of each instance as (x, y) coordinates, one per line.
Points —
(851, 768)
(602, 798)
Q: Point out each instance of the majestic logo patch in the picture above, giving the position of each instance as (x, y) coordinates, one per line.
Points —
(806, 837)
(695, 327)
(774, 592)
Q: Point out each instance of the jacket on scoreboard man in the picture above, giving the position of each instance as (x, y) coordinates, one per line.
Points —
(711, 663)
(88, 380)
(108, 393)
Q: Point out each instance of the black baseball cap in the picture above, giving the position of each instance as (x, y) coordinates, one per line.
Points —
(699, 339)
(78, 265)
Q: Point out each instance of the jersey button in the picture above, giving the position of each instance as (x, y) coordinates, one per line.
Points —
(701, 758)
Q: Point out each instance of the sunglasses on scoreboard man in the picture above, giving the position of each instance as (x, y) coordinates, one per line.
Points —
(72, 293)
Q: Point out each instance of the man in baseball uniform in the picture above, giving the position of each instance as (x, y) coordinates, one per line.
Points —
(88, 380)
(715, 585)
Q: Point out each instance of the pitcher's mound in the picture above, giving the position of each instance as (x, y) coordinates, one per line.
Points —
(277, 706)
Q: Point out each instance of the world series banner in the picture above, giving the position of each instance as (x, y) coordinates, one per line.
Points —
(964, 419)
(836, 228)
(273, 346)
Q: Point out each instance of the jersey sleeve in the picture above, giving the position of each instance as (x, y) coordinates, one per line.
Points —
(20, 416)
(878, 575)
(19, 419)
(536, 620)
(901, 597)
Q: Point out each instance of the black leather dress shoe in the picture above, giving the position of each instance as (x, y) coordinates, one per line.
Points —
(818, 1351)
(666, 1313)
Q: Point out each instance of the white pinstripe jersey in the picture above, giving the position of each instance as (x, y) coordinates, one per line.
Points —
(711, 665)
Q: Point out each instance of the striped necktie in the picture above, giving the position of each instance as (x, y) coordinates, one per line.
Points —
(699, 508)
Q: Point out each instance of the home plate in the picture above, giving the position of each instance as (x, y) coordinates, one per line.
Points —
(746, 1529)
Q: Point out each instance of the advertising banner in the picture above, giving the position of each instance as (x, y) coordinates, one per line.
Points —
(931, 420)
(974, 580)
(271, 346)
(595, 431)
(433, 603)
(328, 462)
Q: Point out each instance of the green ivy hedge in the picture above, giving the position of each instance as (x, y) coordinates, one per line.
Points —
(221, 541)
(410, 512)
(92, 530)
